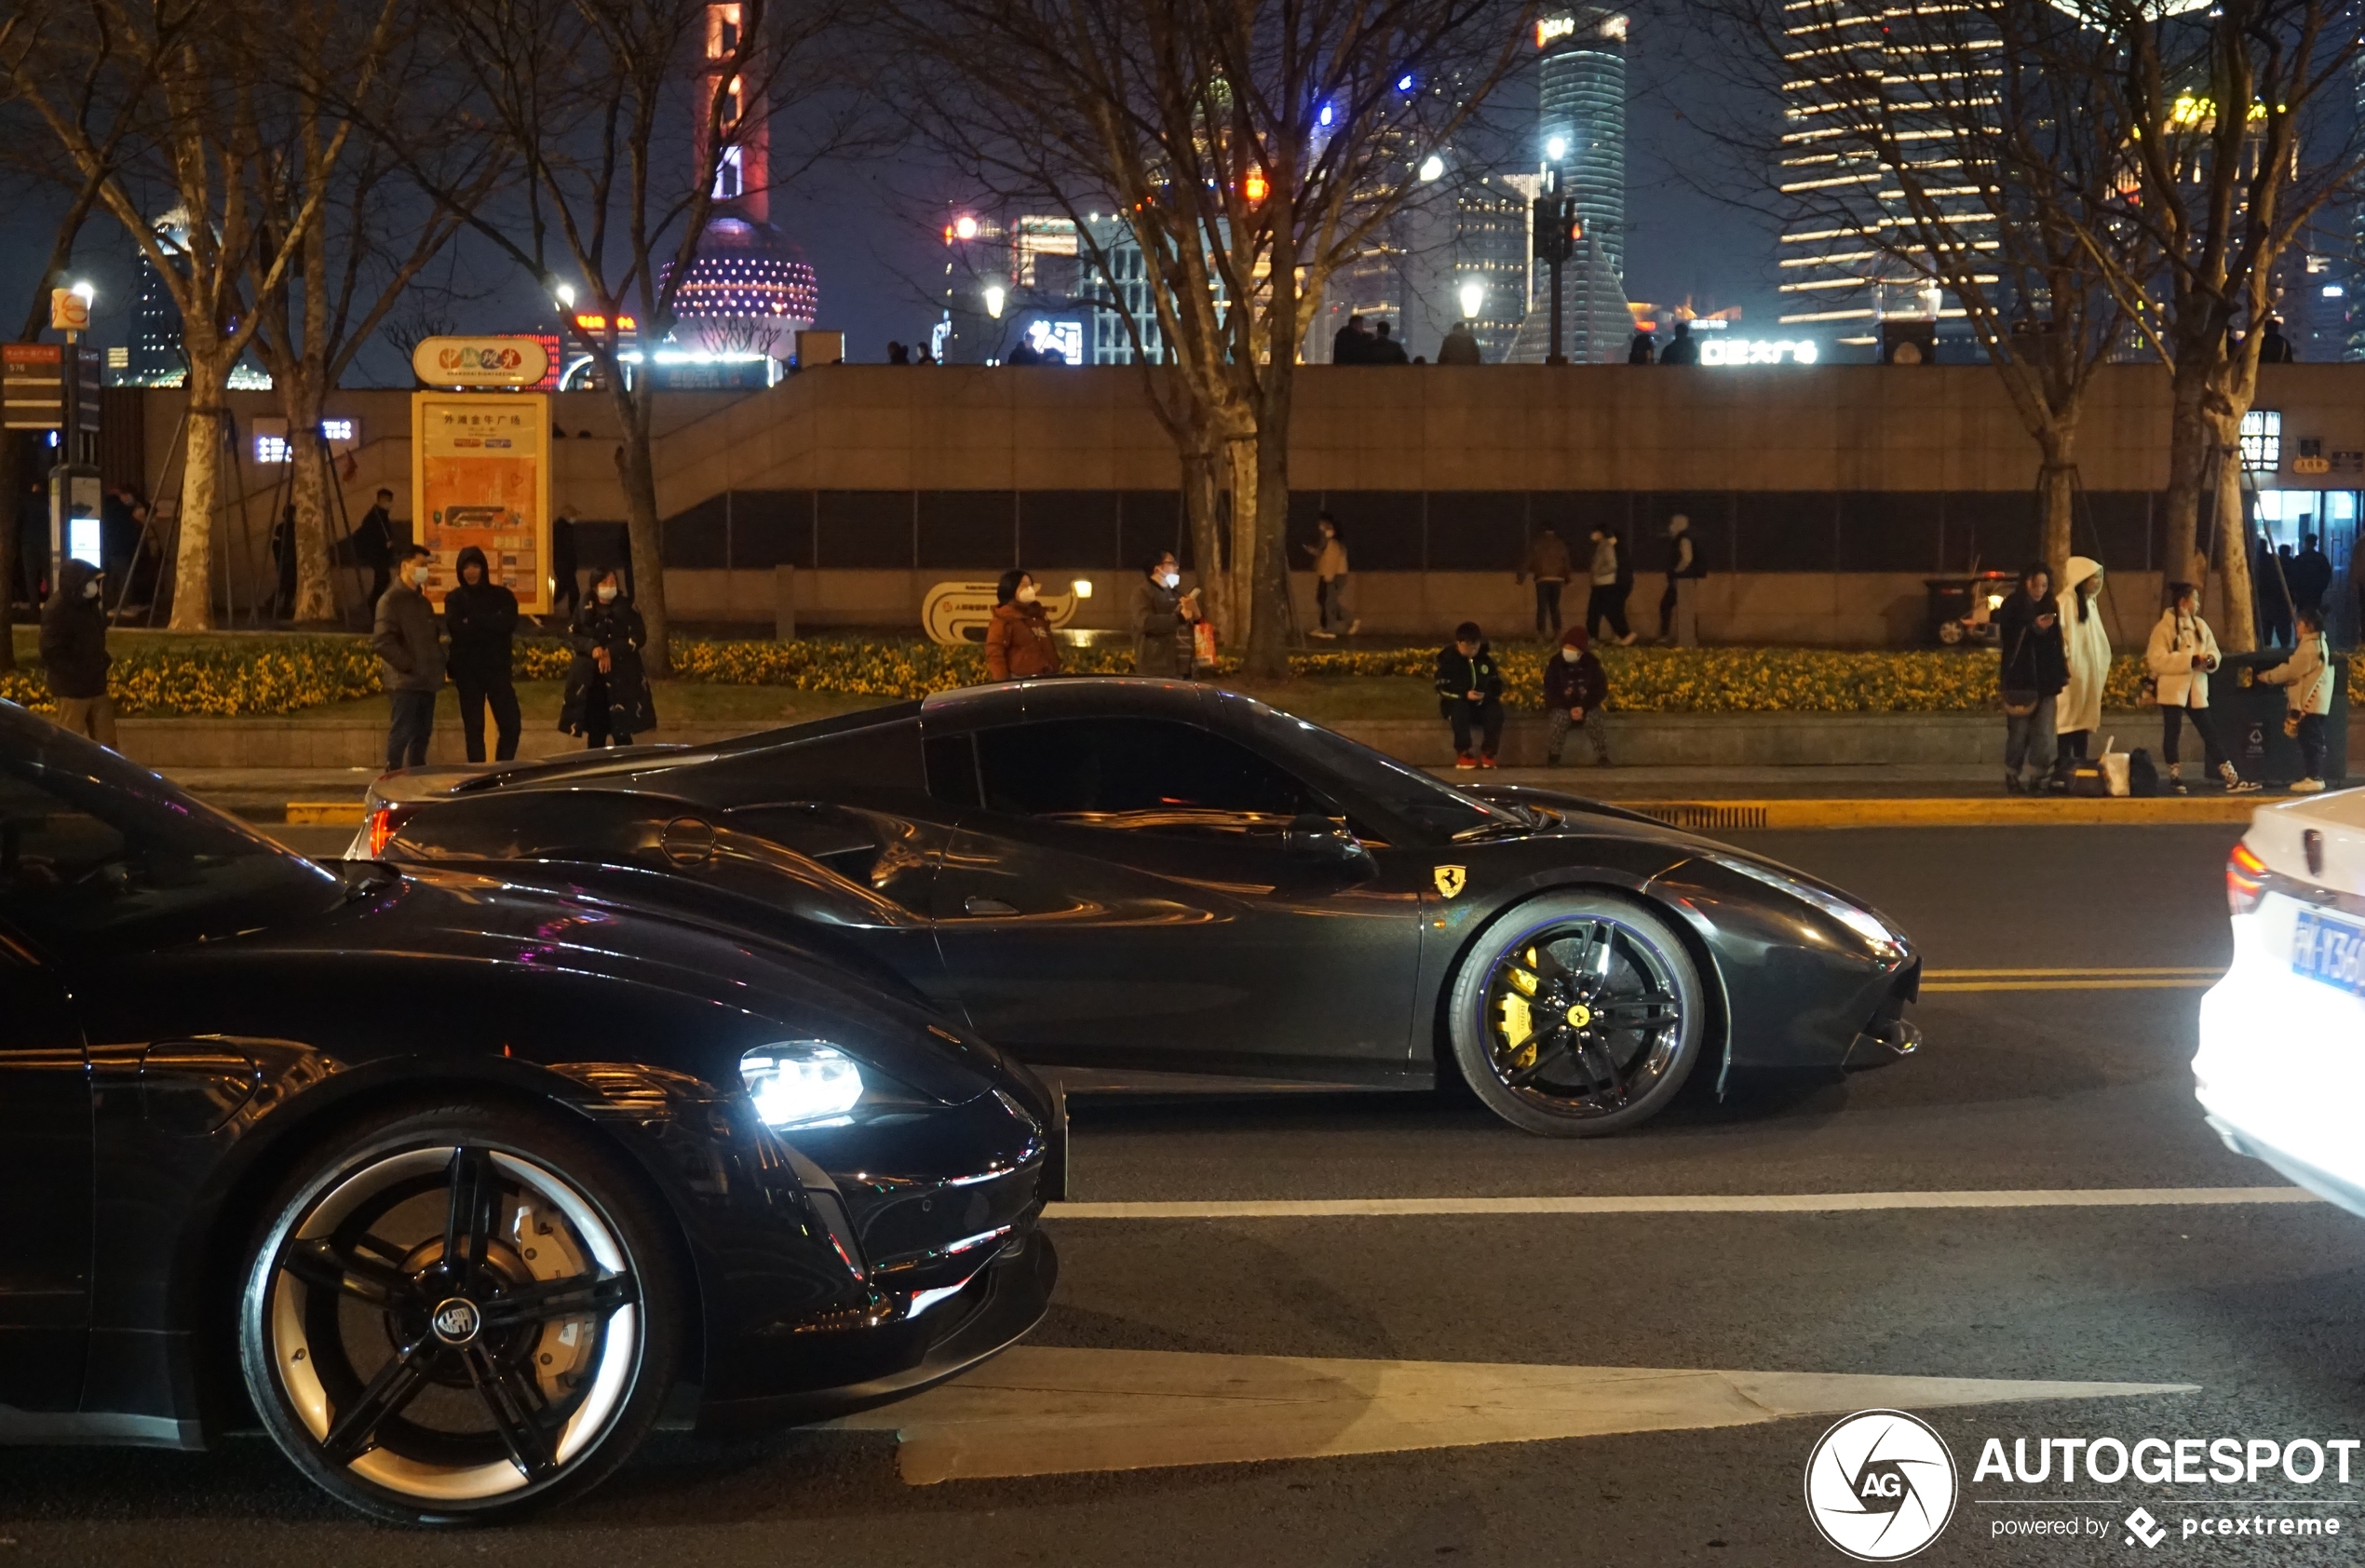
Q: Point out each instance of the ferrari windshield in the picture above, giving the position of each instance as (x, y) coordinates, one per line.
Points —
(1405, 793)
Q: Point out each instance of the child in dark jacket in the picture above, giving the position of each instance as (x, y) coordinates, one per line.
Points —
(1574, 688)
(1469, 691)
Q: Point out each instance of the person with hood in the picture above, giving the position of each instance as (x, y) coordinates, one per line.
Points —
(1017, 640)
(74, 652)
(1574, 688)
(410, 658)
(1548, 562)
(1469, 691)
(608, 700)
(1680, 605)
(1162, 618)
(2034, 668)
(2086, 646)
(482, 616)
(2180, 659)
(2306, 678)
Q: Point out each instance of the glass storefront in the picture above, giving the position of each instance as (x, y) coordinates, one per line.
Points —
(2288, 518)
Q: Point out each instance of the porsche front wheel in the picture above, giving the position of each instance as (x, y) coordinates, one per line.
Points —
(1577, 1014)
(454, 1315)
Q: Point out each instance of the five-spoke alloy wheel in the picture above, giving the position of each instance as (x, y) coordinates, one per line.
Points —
(1577, 1014)
(458, 1314)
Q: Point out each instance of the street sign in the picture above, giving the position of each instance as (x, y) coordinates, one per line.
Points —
(69, 311)
(481, 475)
(32, 386)
(954, 612)
(486, 361)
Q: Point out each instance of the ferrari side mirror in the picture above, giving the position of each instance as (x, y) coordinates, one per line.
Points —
(1312, 836)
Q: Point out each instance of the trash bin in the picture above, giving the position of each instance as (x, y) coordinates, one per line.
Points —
(2250, 720)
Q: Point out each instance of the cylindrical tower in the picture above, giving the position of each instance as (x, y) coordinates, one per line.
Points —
(1581, 99)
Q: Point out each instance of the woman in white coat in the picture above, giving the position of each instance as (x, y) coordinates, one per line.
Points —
(2088, 644)
(2179, 657)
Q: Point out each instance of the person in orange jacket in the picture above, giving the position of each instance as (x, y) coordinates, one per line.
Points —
(1017, 640)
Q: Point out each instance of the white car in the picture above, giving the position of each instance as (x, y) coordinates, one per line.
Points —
(2280, 1071)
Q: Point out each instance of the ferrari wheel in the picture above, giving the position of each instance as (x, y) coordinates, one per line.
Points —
(457, 1314)
(1579, 1014)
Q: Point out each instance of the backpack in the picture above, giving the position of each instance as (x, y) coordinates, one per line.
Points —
(2143, 776)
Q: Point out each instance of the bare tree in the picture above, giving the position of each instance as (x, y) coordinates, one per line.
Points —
(196, 79)
(1955, 157)
(373, 235)
(620, 116)
(1251, 147)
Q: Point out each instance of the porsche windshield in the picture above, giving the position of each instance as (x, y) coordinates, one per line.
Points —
(1405, 793)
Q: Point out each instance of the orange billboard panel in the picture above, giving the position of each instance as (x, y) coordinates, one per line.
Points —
(481, 475)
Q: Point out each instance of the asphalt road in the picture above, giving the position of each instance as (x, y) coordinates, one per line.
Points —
(2256, 1306)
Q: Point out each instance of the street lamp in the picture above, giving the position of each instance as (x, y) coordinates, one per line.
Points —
(965, 227)
(994, 296)
(565, 295)
(1557, 148)
(85, 291)
(1473, 296)
(1432, 167)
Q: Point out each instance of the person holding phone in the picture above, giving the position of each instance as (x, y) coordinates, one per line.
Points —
(2179, 657)
(2036, 667)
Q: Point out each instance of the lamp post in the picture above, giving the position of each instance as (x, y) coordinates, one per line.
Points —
(1556, 231)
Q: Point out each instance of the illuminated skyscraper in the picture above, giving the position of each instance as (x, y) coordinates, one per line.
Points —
(1581, 132)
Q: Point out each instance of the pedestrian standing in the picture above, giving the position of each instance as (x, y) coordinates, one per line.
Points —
(1642, 349)
(1610, 580)
(2180, 659)
(410, 658)
(1460, 347)
(2086, 647)
(566, 587)
(1017, 640)
(1469, 695)
(2034, 668)
(608, 700)
(283, 563)
(482, 616)
(1682, 349)
(1352, 346)
(1576, 687)
(2306, 679)
(1162, 618)
(373, 543)
(1548, 562)
(2311, 573)
(74, 652)
(1331, 584)
(1680, 605)
(1385, 349)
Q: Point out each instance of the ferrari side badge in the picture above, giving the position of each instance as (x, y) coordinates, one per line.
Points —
(1452, 880)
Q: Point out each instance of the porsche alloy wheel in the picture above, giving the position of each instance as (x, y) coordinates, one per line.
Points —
(461, 1313)
(1579, 1014)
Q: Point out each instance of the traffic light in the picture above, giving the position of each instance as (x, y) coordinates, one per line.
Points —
(1558, 228)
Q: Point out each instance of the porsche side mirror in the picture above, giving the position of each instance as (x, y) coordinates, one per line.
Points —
(1315, 837)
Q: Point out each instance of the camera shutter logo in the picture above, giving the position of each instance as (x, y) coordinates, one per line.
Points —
(1881, 1485)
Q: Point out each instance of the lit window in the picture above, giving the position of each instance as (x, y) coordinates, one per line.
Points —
(727, 175)
(341, 430)
(2263, 441)
(271, 448)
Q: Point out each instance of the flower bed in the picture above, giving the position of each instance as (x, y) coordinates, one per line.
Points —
(241, 676)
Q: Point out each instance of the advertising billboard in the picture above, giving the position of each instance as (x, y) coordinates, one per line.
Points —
(481, 475)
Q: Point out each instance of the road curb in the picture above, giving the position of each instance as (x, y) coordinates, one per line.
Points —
(1744, 815)
(324, 814)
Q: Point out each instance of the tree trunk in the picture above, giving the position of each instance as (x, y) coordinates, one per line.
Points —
(636, 467)
(2189, 443)
(308, 489)
(1268, 651)
(12, 491)
(1205, 538)
(200, 484)
(1239, 566)
(2057, 495)
(2239, 634)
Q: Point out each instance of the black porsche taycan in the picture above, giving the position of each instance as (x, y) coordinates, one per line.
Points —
(1122, 880)
(461, 1182)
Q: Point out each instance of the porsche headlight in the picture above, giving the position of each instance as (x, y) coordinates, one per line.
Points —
(1886, 945)
(801, 1083)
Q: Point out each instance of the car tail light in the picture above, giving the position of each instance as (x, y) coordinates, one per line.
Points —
(385, 823)
(2245, 880)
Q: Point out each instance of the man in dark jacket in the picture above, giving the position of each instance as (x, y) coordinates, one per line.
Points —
(74, 652)
(1352, 346)
(1575, 687)
(1460, 347)
(410, 659)
(482, 616)
(1385, 349)
(373, 543)
(2036, 667)
(2311, 574)
(1469, 690)
(1682, 349)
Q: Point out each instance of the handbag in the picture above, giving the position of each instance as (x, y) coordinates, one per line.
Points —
(2291, 717)
(1203, 644)
(2019, 705)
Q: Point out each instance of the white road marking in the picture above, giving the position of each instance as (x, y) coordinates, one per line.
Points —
(1678, 1203)
(1043, 1410)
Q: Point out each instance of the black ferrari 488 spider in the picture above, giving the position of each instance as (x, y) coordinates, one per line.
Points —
(1121, 881)
(461, 1182)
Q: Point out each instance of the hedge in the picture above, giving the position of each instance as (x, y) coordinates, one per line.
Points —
(241, 676)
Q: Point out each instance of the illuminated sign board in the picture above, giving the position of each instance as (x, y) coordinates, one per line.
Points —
(490, 361)
(1758, 351)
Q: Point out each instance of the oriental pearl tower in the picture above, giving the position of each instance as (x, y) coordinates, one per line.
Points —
(749, 290)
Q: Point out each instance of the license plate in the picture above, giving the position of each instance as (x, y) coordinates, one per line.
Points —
(2327, 948)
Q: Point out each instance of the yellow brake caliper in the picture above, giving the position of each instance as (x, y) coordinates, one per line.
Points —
(1519, 1031)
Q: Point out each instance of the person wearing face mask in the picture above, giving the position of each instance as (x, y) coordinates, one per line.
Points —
(1162, 618)
(608, 700)
(410, 658)
(1017, 640)
(482, 616)
(74, 652)
(1574, 688)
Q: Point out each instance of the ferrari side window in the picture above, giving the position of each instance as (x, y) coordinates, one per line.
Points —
(1137, 774)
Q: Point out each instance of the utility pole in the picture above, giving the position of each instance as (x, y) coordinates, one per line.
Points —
(1557, 231)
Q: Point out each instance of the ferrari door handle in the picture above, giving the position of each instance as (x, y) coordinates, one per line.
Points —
(977, 904)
